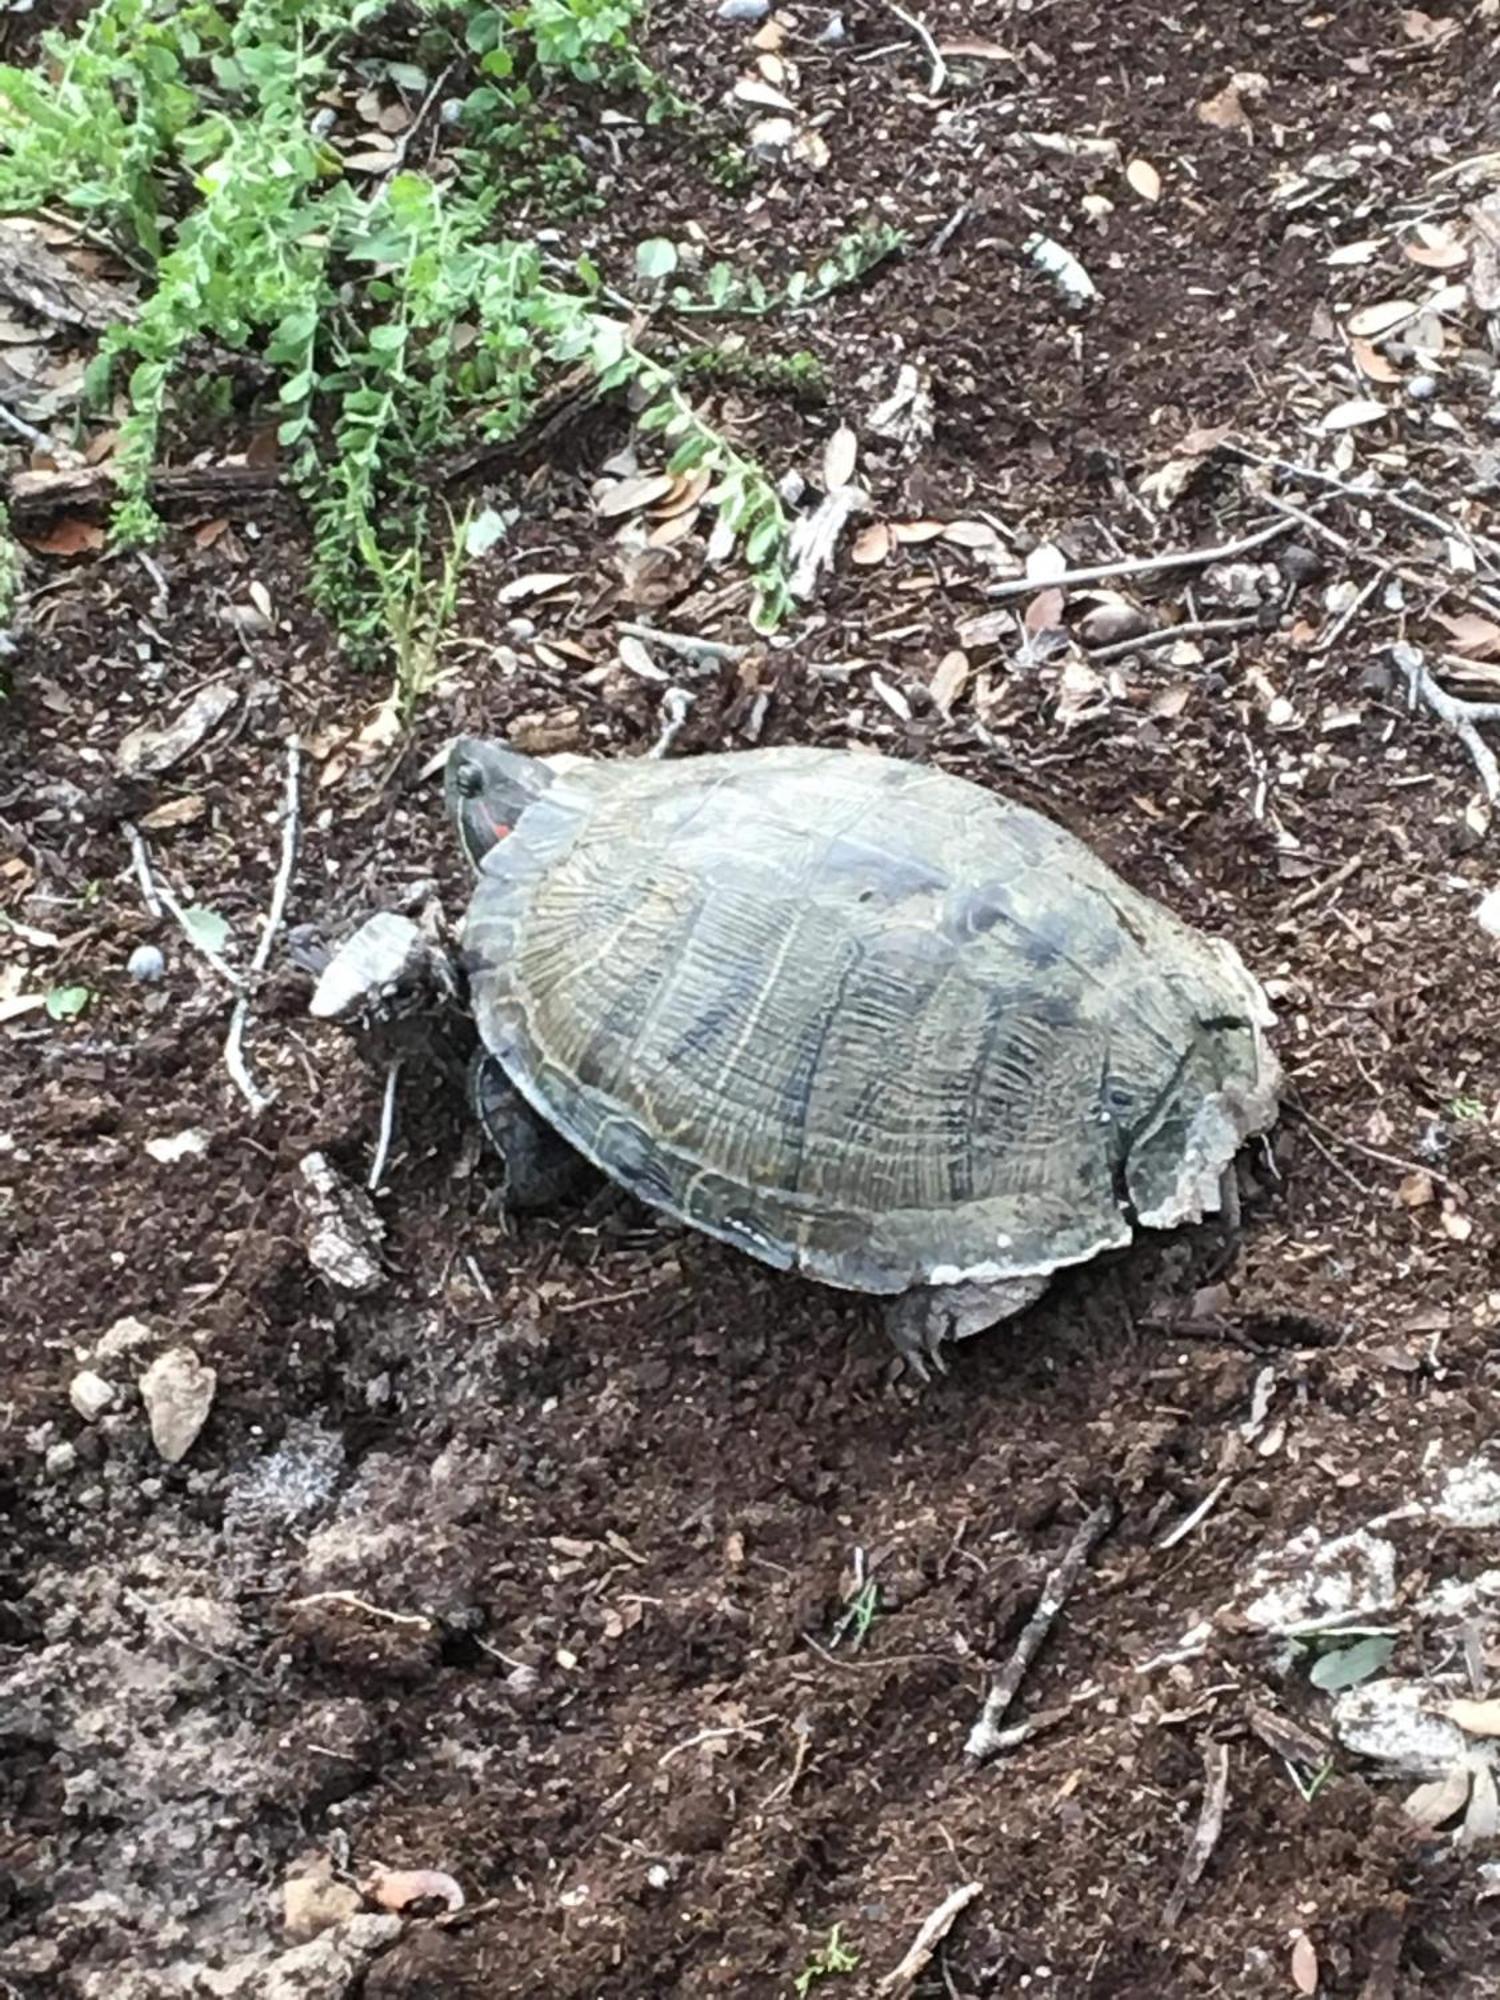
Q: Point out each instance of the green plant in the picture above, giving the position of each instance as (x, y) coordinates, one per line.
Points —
(800, 375)
(831, 1958)
(417, 609)
(394, 316)
(731, 292)
(10, 571)
(1342, 1659)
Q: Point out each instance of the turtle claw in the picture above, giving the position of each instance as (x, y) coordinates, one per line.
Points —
(920, 1322)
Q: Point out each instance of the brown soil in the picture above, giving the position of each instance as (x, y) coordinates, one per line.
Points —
(534, 1565)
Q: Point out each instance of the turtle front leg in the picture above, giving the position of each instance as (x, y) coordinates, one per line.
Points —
(921, 1320)
(541, 1168)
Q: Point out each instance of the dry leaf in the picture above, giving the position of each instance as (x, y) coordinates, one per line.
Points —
(839, 455)
(917, 531)
(772, 68)
(1416, 1190)
(367, 163)
(1227, 109)
(1346, 416)
(770, 37)
(1438, 251)
(1457, 1226)
(1372, 321)
(1430, 1805)
(1144, 179)
(1372, 364)
(209, 532)
(1363, 252)
(1428, 32)
(872, 545)
(69, 535)
(398, 1888)
(1476, 1718)
(688, 488)
(674, 527)
(173, 812)
(1304, 1964)
(971, 535)
(1471, 633)
(633, 654)
(260, 597)
(752, 90)
(1044, 611)
(629, 496)
(949, 679)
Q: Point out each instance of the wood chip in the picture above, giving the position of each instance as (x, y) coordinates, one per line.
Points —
(917, 531)
(950, 678)
(631, 496)
(872, 545)
(839, 457)
(971, 535)
(1372, 321)
(536, 583)
(1304, 1964)
(1348, 416)
(1371, 363)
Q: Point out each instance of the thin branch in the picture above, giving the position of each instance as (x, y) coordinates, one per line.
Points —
(234, 1056)
(141, 862)
(1027, 586)
(22, 429)
(387, 1127)
(219, 964)
(687, 645)
(1330, 638)
(1459, 716)
(984, 1737)
(1192, 628)
(1375, 495)
(937, 73)
(1206, 1833)
(1316, 1125)
(1201, 1512)
(751, 1728)
(934, 1929)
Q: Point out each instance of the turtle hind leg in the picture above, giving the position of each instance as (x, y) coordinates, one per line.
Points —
(920, 1321)
(541, 1169)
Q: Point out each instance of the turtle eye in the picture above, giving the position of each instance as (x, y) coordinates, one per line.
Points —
(470, 780)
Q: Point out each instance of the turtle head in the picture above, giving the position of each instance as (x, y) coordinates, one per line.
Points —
(488, 787)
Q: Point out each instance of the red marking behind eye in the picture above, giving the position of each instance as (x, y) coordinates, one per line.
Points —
(501, 828)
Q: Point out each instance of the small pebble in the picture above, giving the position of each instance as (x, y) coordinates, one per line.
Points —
(742, 10)
(178, 1392)
(451, 111)
(146, 964)
(60, 1460)
(90, 1395)
(832, 30)
(1422, 388)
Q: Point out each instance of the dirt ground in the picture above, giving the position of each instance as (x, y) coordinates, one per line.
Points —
(539, 1563)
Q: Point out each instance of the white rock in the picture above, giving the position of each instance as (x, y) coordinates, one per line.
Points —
(1487, 916)
(123, 1336)
(1311, 1582)
(174, 1146)
(178, 1391)
(60, 1460)
(1469, 1496)
(90, 1395)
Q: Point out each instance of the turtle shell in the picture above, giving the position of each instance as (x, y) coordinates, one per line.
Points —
(861, 1017)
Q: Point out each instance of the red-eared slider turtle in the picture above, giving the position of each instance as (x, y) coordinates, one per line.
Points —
(857, 1017)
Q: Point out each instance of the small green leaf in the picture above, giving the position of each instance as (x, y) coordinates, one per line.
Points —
(66, 1003)
(655, 258)
(206, 928)
(1347, 1666)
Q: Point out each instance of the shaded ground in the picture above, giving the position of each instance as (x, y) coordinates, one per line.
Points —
(533, 1565)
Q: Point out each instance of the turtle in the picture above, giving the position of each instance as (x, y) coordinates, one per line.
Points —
(859, 1017)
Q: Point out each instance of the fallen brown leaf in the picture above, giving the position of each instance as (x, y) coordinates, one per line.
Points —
(839, 456)
(1371, 321)
(917, 531)
(209, 532)
(1471, 633)
(630, 496)
(1044, 611)
(1371, 363)
(872, 545)
(975, 49)
(949, 679)
(1416, 1190)
(69, 535)
(1304, 1964)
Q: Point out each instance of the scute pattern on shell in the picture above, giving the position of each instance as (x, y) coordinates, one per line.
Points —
(859, 1016)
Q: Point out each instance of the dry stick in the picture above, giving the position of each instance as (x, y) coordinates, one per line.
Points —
(750, 1728)
(1201, 1512)
(1459, 716)
(1328, 639)
(29, 432)
(175, 909)
(1326, 887)
(1376, 495)
(1316, 1125)
(984, 1737)
(934, 1929)
(387, 1127)
(688, 645)
(937, 76)
(234, 1059)
(1206, 1834)
(141, 862)
(1192, 628)
(1027, 586)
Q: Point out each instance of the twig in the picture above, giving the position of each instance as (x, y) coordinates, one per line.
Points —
(948, 231)
(1143, 565)
(387, 1127)
(984, 1737)
(1314, 891)
(219, 964)
(24, 430)
(676, 705)
(1372, 1152)
(937, 75)
(1201, 1512)
(234, 1056)
(141, 862)
(934, 1929)
(1206, 1833)
(1459, 716)
(154, 1617)
(349, 1601)
(687, 645)
(1375, 495)
(751, 1728)
(1191, 628)
(398, 156)
(1330, 638)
